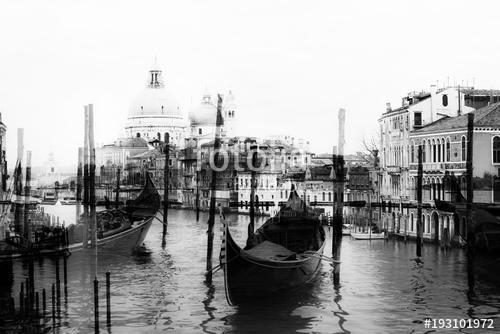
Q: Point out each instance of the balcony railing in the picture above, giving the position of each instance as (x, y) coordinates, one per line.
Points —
(438, 166)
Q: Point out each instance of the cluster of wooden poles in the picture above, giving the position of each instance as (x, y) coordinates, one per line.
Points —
(33, 313)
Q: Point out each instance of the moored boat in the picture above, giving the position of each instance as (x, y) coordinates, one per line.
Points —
(122, 228)
(116, 229)
(368, 236)
(282, 254)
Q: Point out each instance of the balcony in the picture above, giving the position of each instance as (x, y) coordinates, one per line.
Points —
(438, 166)
(394, 169)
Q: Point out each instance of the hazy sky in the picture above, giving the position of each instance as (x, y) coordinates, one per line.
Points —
(290, 64)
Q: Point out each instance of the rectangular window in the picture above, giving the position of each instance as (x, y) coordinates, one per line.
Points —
(417, 121)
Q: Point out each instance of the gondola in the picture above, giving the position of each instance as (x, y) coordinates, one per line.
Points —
(126, 227)
(283, 254)
(121, 229)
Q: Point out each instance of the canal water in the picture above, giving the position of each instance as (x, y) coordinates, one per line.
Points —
(382, 290)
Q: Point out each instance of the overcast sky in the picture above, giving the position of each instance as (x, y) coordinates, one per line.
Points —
(290, 64)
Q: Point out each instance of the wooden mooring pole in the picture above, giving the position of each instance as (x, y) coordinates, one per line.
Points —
(44, 301)
(92, 200)
(419, 201)
(27, 193)
(213, 187)
(166, 175)
(108, 299)
(251, 225)
(79, 182)
(18, 184)
(117, 198)
(338, 187)
(471, 238)
(86, 179)
(96, 305)
(198, 193)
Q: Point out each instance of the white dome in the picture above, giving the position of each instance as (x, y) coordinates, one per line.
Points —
(154, 102)
(205, 113)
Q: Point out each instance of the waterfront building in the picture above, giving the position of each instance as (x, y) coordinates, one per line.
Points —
(418, 110)
(444, 147)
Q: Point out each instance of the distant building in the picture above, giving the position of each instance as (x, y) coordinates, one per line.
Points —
(117, 154)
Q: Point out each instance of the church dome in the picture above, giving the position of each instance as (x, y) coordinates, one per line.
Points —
(154, 100)
(205, 113)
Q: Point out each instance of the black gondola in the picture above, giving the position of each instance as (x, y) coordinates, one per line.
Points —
(283, 254)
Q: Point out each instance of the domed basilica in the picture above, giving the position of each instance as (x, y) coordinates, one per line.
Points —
(154, 111)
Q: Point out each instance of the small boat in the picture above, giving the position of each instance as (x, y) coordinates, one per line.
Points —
(284, 253)
(49, 198)
(68, 201)
(122, 228)
(368, 236)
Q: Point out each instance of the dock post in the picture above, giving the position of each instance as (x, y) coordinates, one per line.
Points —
(197, 192)
(58, 288)
(93, 219)
(65, 277)
(165, 186)
(251, 225)
(108, 299)
(213, 185)
(12, 306)
(419, 201)
(53, 304)
(21, 298)
(470, 194)
(79, 182)
(338, 187)
(37, 304)
(27, 190)
(18, 180)
(27, 300)
(86, 218)
(117, 198)
(44, 301)
(96, 305)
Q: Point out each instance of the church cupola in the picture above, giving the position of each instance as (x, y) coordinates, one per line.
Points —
(155, 79)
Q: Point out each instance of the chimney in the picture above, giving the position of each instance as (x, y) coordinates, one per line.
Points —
(388, 106)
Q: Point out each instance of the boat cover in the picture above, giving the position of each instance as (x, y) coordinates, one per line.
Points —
(267, 250)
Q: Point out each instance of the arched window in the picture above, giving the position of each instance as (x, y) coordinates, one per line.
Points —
(496, 150)
(445, 100)
(412, 227)
(323, 196)
(412, 153)
(448, 149)
(329, 197)
(433, 151)
(464, 149)
(424, 144)
(439, 150)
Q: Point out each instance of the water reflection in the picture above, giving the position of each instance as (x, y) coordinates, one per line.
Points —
(163, 288)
